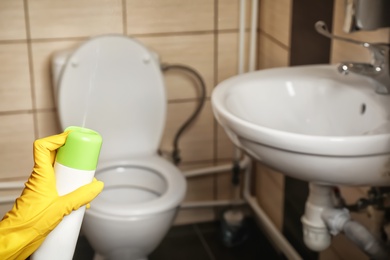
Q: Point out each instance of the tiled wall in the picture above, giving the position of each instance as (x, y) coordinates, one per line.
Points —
(202, 34)
(274, 51)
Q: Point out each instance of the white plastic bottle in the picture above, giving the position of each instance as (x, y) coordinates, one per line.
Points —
(74, 167)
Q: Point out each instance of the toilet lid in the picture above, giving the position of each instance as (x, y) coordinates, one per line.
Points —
(114, 85)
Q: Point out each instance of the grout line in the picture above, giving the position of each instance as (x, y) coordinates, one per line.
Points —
(13, 41)
(204, 243)
(81, 38)
(124, 16)
(183, 33)
(185, 100)
(215, 127)
(18, 112)
(26, 111)
(274, 40)
(59, 39)
(30, 66)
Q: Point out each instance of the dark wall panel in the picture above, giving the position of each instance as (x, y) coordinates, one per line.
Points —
(307, 46)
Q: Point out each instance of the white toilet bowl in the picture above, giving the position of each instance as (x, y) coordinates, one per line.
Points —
(136, 208)
(113, 84)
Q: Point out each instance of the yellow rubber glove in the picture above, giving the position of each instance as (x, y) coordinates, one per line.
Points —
(40, 209)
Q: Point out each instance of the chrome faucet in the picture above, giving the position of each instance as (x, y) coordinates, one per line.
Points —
(378, 69)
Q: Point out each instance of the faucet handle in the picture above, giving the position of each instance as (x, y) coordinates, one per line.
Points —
(378, 50)
(322, 29)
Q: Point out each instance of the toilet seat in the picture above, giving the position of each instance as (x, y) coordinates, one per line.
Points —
(164, 178)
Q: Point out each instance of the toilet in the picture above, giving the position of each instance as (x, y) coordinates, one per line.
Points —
(114, 85)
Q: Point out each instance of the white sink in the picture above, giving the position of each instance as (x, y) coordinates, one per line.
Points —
(310, 123)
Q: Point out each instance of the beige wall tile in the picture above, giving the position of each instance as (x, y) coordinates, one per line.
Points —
(200, 188)
(342, 51)
(196, 143)
(15, 86)
(12, 23)
(271, 54)
(275, 19)
(352, 194)
(47, 122)
(188, 216)
(63, 18)
(195, 51)
(16, 142)
(162, 16)
(42, 53)
(227, 55)
(269, 193)
(229, 14)
(224, 145)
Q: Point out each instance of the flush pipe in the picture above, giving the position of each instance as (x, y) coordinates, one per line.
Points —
(266, 223)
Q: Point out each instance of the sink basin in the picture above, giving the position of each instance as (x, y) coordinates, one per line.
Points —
(310, 123)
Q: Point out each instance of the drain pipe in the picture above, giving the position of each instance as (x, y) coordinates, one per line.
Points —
(321, 220)
(315, 232)
(216, 169)
(339, 220)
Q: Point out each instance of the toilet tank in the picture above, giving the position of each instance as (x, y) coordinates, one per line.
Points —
(58, 61)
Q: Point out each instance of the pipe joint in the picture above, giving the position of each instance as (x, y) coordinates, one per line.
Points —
(335, 219)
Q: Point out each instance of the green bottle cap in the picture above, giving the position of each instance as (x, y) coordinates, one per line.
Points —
(81, 149)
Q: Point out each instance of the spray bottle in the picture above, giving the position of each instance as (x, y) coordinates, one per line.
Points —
(74, 166)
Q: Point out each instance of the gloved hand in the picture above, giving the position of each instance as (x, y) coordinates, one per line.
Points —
(40, 209)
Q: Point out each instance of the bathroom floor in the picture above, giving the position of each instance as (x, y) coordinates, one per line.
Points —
(200, 242)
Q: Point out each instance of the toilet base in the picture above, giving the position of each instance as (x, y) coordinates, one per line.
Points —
(99, 257)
